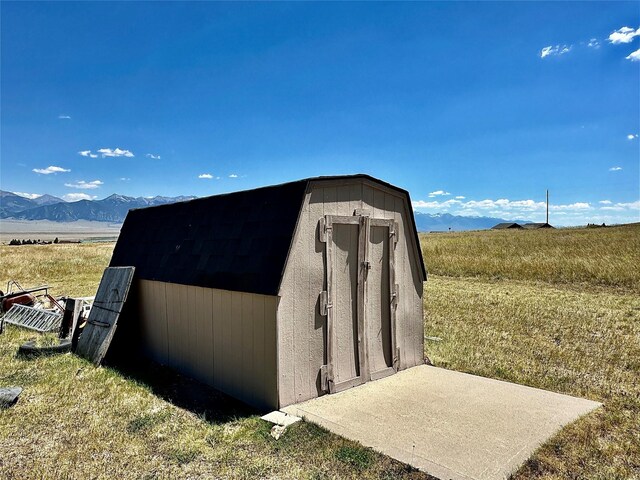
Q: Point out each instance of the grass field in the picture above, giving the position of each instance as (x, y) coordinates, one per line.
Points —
(76, 421)
(558, 310)
(579, 257)
(554, 309)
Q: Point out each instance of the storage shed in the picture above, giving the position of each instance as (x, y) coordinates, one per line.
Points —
(283, 293)
(506, 226)
(536, 226)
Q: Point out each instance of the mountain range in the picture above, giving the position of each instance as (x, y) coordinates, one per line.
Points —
(443, 222)
(115, 207)
(111, 209)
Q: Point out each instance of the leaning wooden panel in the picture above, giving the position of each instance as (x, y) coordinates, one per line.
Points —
(103, 318)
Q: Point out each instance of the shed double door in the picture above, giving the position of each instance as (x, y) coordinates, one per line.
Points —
(360, 300)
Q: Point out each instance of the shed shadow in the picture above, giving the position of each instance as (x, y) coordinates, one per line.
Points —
(205, 401)
(125, 356)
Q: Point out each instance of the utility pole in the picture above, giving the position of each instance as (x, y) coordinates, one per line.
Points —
(547, 206)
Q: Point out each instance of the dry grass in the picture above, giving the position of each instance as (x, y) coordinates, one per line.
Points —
(578, 337)
(74, 421)
(69, 269)
(496, 299)
(599, 256)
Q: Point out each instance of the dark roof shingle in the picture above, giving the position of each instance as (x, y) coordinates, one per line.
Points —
(237, 241)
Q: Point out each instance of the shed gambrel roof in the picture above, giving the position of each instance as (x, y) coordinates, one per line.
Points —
(502, 226)
(534, 226)
(236, 241)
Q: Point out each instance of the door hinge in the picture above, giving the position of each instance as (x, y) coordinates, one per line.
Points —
(324, 303)
(395, 295)
(326, 378)
(323, 228)
(396, 359)
(393, 232)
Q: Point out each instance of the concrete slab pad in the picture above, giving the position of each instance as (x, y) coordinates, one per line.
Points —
(450, 424)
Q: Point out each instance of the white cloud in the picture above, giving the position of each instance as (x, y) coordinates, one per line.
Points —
(632, 136)
(460, 197)
(423, 204)
(233, 175)
(87, 153)
(438, 193)
(124, 179)
(51, 169)
(555, 50)
(605, 202)
(208, 176)
(622, 206)
(74, 197)
(85, 185)
(634, 56)
(502, 207)
(64, 117)
(615, 169)
(28, 195)
(151, 155)
(623, 35)
(572, 206)
(545, 52)
(116, 152)
(594, 43)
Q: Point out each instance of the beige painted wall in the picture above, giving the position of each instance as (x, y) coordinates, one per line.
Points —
(222, 338)
(301, 328)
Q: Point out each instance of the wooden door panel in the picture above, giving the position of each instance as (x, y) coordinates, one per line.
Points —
(379, 301)
(345, 305)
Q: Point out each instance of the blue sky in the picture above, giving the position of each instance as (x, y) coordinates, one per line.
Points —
(475, 108)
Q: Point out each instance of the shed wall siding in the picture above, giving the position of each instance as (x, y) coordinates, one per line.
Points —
(224, 339)
(301, 328)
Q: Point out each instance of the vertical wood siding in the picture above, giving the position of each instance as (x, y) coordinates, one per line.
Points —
(301, 328)
(224, 339)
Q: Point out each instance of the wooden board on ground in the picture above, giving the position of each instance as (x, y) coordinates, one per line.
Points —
(103, 319)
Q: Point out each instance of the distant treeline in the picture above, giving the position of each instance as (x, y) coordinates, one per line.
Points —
(15, 241)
